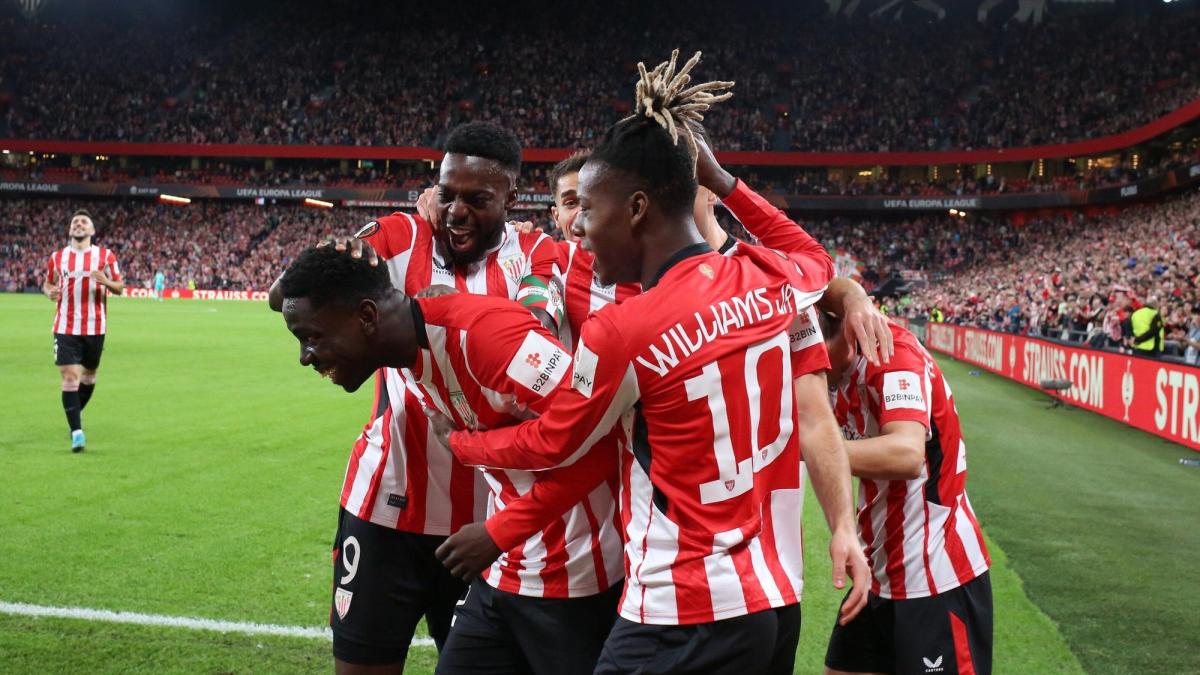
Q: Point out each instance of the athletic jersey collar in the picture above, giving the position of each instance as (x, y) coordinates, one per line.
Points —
(419, 324)
(679, 256)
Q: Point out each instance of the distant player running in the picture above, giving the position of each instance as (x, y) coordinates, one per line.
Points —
(79, 279)
(930, 606)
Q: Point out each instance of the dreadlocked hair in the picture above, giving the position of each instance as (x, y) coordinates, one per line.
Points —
(664, 96)
(645, 146)
(642, 153)
(326, 276)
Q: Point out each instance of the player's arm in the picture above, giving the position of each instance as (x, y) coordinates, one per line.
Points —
(472, 549)
(358, 245)
(539, 290)
(897, 453)
(829, 471)
(762, 219)
(898, 398)
(51, 286)
(602, 388)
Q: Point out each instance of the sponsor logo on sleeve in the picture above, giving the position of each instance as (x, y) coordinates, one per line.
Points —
(902, 389)
(539, 364)
(804, 331)
(585, 370)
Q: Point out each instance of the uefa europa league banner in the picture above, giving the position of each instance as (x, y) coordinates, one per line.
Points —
(1156, 396)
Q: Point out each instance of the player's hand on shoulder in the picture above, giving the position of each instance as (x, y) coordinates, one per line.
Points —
(525, 227)
(436, 290)
(352, 244)
(468, 552)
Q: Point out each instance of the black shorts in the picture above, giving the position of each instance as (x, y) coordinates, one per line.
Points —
(76, 350)
(384, 581)
(938, 634)
(498, 632)
(763, 642)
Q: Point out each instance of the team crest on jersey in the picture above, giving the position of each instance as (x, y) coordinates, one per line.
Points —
(367, 230)
(341, 602)
(513, 265)
(539, 364)
(730, 484)
(902, 389)
(459, 401)
(707, 271)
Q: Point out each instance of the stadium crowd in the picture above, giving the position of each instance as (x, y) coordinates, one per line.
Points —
(534, 176)
(326, 76)
(1072, 276)
(1069, 276)
(210, 245)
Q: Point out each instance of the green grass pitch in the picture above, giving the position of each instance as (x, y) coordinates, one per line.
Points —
(209, 489)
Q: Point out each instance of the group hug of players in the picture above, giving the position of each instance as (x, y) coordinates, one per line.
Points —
(590, 455)
(614, 462)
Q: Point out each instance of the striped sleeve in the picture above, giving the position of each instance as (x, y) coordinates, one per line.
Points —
(515, 357)
(52, 269)
(391, 235)
(776, 230)
(552, 495)
(540, 288)
(114, 268)
(603, 388)
(900, 388)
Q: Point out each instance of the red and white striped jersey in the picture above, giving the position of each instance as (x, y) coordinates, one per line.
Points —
(83, 305)
(582, 291)
(481, 356)
(921, 535)
(556, 492)
(398, 475)
(698, 372)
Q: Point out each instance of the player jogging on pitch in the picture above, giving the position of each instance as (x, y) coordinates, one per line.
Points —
(79, 278)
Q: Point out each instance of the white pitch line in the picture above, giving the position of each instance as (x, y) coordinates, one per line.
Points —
(190, 623)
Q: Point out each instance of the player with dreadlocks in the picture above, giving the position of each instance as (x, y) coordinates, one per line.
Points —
(711, 475)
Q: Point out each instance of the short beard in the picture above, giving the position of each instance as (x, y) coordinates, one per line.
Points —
(79, 237)
(456, 259)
